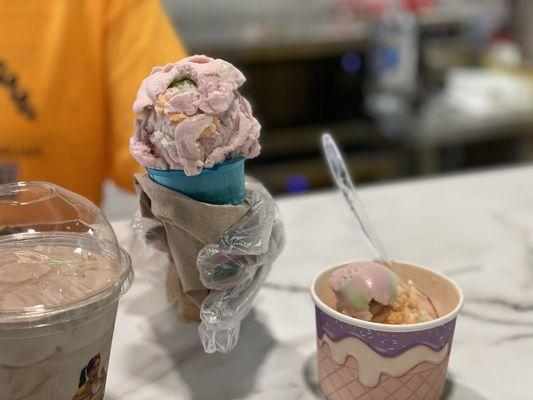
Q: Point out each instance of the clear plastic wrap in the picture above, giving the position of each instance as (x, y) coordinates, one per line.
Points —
(233, 269)
(149, 231)
(236, 268)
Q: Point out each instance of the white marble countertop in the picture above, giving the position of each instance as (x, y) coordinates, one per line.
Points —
(477, 228)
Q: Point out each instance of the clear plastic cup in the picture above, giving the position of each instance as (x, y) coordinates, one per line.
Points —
(62, 273)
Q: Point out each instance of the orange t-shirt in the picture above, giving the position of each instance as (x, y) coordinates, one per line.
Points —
(69, 73)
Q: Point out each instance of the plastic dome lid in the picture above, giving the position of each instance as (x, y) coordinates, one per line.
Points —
(59, 256)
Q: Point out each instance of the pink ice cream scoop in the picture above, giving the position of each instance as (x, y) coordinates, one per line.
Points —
(360, 285)
(190, 115)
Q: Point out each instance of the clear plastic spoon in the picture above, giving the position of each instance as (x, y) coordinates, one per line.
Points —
(342, 178)
(344, 182)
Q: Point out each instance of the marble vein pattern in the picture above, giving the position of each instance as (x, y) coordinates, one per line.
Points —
(476, 228)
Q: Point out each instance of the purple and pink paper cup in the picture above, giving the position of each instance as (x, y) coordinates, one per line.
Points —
(370, 361)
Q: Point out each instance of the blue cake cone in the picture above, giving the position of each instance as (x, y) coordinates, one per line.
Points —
(221, 184)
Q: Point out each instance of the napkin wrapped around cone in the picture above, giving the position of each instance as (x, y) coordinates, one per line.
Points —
(189, 226)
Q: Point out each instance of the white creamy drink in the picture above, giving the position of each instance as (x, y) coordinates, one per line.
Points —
(60, 283)
(52, 276)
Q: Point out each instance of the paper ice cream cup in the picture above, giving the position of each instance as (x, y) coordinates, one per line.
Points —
(221, 184)
(368, 360)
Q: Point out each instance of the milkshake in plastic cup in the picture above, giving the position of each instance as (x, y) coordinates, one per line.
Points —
(365, 360)
(61, 275)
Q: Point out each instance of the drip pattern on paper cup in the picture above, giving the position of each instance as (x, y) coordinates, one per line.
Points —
(387, 344)
(425, 381)
(362, 363)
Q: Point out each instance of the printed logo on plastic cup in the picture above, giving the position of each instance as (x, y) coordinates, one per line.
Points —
(92, 381)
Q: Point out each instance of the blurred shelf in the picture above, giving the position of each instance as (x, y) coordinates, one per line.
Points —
(447, 127)
(364, 166)
(270, 43)
(303, 141)
(270, 31)
(295, 153)
(440, 127)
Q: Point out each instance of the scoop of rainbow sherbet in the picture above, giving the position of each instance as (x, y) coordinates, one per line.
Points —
(360, 285)
(190, 115)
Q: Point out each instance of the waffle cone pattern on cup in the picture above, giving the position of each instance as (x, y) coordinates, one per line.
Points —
(369, 361)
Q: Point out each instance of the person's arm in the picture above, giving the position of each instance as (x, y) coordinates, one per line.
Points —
(138, 37)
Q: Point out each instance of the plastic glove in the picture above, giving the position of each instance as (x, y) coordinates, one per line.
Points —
(236, 268)
(223, 311)
(149, 231)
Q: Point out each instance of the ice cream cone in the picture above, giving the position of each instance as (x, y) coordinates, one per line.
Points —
(190, 115)
(221, 184)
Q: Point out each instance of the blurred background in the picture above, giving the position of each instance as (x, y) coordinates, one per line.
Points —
(408, 88)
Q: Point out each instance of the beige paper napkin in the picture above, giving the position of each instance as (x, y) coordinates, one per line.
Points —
(189, 225)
